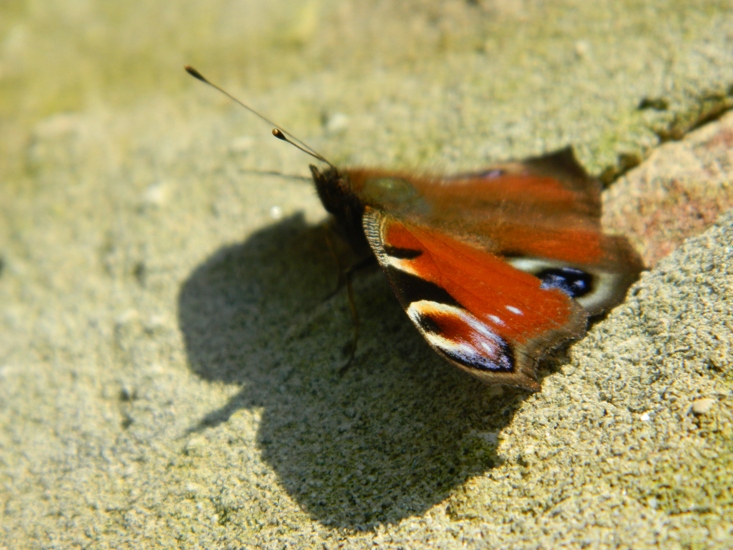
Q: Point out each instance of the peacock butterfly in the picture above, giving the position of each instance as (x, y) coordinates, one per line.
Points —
(495, 267)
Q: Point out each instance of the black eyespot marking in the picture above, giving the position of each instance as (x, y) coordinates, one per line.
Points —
(427, 324)
(504, 362)
(414, 289)
(402, 253)
(512, 254)
(573, 282)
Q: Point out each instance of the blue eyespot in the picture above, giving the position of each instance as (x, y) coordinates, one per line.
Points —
(573, 282)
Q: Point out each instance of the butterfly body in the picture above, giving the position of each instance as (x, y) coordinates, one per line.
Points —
(494, 268)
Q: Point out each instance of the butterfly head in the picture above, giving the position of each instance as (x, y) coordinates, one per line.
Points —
(335, 190)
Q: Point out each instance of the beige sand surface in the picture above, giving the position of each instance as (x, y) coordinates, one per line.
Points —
(167, 359)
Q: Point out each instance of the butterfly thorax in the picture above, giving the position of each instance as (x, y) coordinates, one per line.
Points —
(346, 194)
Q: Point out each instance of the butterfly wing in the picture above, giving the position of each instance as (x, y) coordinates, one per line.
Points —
(476, 310)
(494, 268)
(541, 215)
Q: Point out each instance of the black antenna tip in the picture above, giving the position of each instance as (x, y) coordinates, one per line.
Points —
(194, 73)
(277, 132)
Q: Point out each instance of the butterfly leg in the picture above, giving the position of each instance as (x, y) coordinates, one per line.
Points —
(339, 268)
(351, 347)
(345, 277)
(343, 274)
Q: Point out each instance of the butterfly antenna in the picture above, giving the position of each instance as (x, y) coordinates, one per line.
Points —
(279, 132)
(287, 137)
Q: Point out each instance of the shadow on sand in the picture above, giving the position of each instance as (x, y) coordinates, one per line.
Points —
(388, 439)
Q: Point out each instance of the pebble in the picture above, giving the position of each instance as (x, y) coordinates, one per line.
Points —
(702, 406)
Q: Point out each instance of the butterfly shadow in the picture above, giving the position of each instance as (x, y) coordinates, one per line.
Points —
(388, 439)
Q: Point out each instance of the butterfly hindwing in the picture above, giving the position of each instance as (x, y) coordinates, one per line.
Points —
(477, 311)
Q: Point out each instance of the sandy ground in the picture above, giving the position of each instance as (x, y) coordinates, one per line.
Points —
(168, 353)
